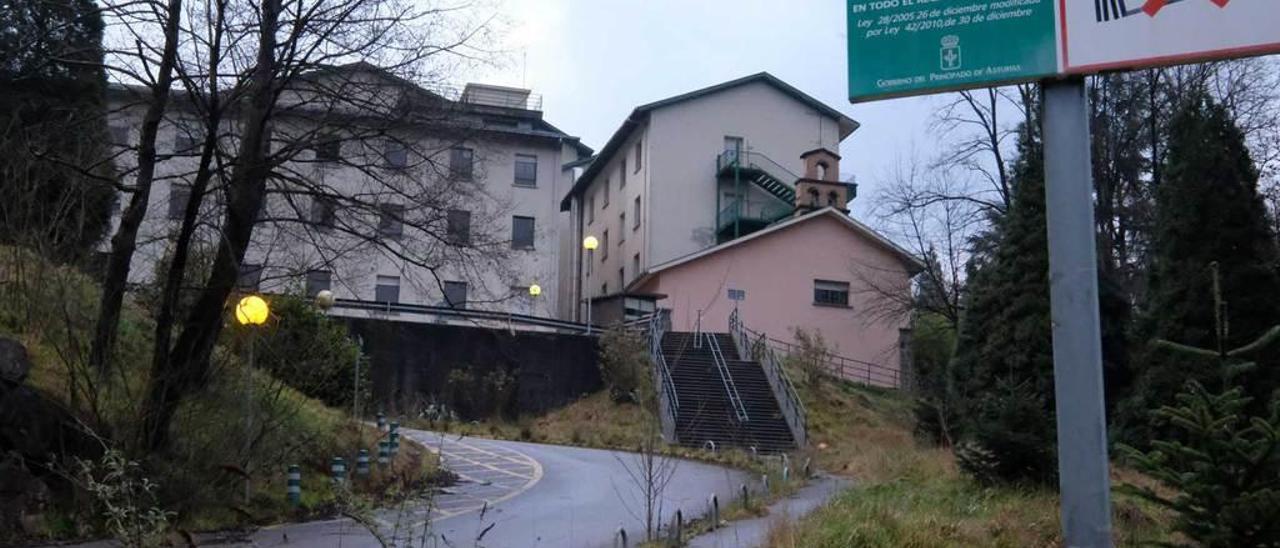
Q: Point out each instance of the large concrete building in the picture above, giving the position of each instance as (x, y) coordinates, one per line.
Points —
(389, 193)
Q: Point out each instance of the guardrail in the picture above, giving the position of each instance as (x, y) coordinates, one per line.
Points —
(466, 314)
(656, 325)
(726, 377)
(849, 369)
(783, 390)
(755, 160)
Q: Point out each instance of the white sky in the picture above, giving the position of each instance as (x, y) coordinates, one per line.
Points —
(595, 60)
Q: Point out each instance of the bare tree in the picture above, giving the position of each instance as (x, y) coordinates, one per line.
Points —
(280, 121)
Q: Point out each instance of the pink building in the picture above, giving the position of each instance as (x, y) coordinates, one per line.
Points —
(821, 271)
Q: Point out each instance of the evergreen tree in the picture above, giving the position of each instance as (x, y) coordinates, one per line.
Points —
(1208, 213)
(1003, 367)
(54, 173)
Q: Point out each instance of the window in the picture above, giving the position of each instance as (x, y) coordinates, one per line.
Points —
(120, 135)
(458, 230)
(327, 149)
(179, 195)
(387, 289)
(324, 212)
(622, 174)
(732, 148)
(622, 227)
(635, 215)
(455, 294)
(813, 197)
(604, 288)
(622, 278)
(522, 232)
(526, 170)
(317, 281)
(395, 154)
(461, 163)
(606, 194)
(591, 209)
(635, 265)
(833, 199)
(827, 293)
(249, 276)
(391, 220)
(638, 157)
(604, 246)
(187, 138)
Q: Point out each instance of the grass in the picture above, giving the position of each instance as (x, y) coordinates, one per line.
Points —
(51, 310)
(910, 494)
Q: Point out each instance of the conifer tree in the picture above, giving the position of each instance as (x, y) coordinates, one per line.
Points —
(1209, 218)
(1004, 357)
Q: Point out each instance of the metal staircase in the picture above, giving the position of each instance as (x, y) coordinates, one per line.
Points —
(740, 217)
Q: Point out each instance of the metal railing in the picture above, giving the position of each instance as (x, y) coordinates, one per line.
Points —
(783, 390)
(493, 318)
(726, 377)
(750, 210)
(754, 160)
(840, 367)
(668, 399)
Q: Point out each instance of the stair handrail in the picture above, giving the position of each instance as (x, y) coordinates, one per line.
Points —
(779, 382)
(726, 377)
(668, 399)
(756, 160)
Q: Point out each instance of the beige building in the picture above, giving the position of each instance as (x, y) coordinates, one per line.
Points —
(399, 194)
(688, 172)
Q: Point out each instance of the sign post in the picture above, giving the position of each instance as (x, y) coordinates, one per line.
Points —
(899, 48)
(1077, 338)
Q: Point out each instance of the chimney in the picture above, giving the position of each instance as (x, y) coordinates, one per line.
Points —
(821, 187)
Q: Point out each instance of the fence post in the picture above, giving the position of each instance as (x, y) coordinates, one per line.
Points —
(338, 469)
(715, 511)
(384, 453)
(362, 463)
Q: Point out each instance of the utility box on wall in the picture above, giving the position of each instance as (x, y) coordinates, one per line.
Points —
(417, 364)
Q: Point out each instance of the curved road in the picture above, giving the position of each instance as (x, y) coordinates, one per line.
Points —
(536, 495)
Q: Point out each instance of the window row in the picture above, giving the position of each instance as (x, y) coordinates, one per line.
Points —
(386, 289)
(324, 216)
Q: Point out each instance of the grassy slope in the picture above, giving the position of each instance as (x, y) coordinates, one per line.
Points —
(50, 309)
(912, 495)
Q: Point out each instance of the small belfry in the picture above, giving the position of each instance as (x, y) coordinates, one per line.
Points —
(821, 187)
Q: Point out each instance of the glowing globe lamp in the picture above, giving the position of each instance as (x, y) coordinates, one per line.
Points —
(252, 310)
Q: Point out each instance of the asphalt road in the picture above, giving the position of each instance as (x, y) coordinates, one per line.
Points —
(520, 495)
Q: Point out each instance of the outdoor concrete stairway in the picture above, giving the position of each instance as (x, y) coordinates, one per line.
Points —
(706, 412)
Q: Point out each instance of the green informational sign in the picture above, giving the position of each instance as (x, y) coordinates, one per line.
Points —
(911, 47)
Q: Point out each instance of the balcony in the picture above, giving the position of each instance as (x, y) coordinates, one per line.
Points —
(742, 217)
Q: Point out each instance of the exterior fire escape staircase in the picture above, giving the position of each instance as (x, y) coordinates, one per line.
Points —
(740, 216)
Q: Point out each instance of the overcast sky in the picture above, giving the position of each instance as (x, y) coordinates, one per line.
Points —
(595, 60)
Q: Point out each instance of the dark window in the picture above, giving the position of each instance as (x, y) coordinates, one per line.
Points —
(455, 294)
(458, 230)
(604, 288)
(833, 198)
(187, 138)
(179, 195)
(813, 197)
(622, 278)
(606, 195)
(635, 215)
(396, 154)
(635, 265)
(638, 157)
(317, 281)
(324, 212)
(461, 163)
(526, 170)
(591, 209)
(829, 293)
(387, 289)
(120, 135)
(604, 246)
(391, 220)
(622, 227)
(249, 277)
(622, 174)
(328, 149)
(522, 232)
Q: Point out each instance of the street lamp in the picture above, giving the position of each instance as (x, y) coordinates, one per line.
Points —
(250, 311)
(590, 243)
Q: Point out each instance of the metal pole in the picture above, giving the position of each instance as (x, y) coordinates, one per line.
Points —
(355, 391)
(588, 292)
(248, 411)
(1077, 339)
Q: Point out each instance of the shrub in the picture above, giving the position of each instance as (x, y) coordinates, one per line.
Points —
(1223, 464)
(811, 356)
(624, 365)
(480, 396)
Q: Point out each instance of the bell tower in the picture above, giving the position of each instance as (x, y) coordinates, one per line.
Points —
(821, 187)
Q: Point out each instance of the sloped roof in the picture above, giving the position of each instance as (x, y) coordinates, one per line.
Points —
(847, 124)
(914, 264)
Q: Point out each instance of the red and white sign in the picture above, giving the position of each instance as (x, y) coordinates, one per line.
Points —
(1120, 34)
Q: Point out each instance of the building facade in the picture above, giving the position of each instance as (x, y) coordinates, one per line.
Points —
(386, 192)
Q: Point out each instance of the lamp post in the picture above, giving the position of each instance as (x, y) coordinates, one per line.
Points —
(590, 243)
(250, 311)
(325, 300)
(535, 291)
